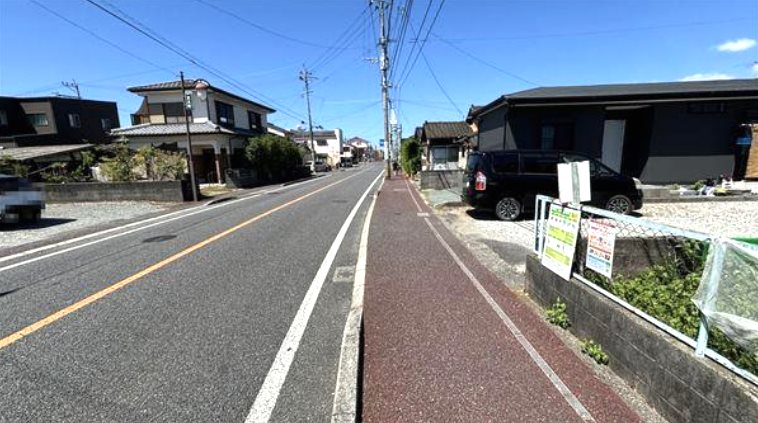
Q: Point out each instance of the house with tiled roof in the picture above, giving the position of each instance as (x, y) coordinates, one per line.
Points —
(220, 123)
(444, 144)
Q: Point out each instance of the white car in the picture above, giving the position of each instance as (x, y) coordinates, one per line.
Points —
(318, 167)
(19, 200)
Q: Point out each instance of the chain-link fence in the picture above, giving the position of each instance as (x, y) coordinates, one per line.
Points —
(652, 269)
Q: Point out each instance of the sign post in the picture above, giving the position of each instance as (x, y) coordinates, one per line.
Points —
(601, 241)
(560, 239)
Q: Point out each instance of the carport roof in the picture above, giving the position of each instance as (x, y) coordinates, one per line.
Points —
(29, 153)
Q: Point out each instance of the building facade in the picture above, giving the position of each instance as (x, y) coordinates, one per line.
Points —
(658, 132)
(220, 123)
(47, 121)
(444, 144)
(328, 144)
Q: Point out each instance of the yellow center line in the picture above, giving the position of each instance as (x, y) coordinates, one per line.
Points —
(16, 336)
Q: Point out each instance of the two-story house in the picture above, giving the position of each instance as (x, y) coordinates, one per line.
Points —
(328, 144)
(220, 123)
(48, 121)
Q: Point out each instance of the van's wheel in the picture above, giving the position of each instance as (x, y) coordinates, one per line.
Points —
(30, 215)
(619, 204)
(508, 209)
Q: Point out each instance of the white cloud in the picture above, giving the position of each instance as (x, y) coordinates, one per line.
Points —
(706, 77)
(740, 44)
(755, 68)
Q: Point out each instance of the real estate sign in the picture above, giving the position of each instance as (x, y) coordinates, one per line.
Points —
(560, 239)
(601, 240)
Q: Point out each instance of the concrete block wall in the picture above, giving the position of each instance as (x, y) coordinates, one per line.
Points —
(163, 191)
(441, 179)
(679, 385)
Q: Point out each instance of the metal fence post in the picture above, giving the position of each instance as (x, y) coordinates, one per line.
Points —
(712, 286)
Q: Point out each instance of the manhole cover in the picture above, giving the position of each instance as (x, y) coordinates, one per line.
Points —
(159, 238)
(343, 274)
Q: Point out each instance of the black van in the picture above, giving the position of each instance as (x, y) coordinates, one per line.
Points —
(508, 181)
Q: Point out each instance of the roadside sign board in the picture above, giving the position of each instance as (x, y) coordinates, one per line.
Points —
(381, 142)
(560, 240)
(601, 241)
(574, 182)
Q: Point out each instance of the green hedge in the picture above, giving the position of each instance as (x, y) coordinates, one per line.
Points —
(665, 292)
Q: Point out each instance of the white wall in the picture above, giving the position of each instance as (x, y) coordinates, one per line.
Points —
(199, 107)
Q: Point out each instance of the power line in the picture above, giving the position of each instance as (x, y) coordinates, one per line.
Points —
(406, 14)
(434, 76)
(484, 62)
(402, 78)
(413, 47)
(260, 27)
(347, 36)
(104, 40)
(144, 30)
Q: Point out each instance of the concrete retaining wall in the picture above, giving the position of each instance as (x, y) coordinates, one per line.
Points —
(164, 191)
(441, 179)
(680, 386)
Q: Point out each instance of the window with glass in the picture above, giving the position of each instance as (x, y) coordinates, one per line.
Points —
(174, 112)
(3, 118)
(225, 113)
(106, 124)
(322, 143)
(38, 119)
(254, 120)
(596, 167)
(547, 140)
(505, 163)
(546, 164)
(74, 120)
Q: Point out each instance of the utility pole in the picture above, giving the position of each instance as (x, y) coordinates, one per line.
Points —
(187, 105)
(384, 65)
(306, 77)
(73, 86)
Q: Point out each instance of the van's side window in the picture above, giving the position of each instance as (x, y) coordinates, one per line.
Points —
(505, 163)
(539, 163)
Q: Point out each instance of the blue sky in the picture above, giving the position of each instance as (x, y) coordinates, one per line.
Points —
(478, 51)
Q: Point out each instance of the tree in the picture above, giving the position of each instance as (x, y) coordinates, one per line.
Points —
(273, 157)
(410, 155)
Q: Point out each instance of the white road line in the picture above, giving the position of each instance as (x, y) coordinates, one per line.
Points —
(345, 405)
(569, 396)
(166, 218)
(410, 191)
(269, 393)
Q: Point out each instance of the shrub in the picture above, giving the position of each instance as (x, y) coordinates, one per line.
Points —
(11, 166)
(594, 350)
(666, 291)
(557, 314)
(273, 157)
(410, 156)
(120, 167)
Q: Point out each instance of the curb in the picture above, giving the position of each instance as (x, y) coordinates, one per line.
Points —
(346, 406)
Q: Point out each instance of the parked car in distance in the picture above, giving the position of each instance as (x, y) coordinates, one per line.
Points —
(508, 181)
(318, 167)
(19, 200)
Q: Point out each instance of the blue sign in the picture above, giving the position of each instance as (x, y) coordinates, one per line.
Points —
(746, 140)
(381, 142)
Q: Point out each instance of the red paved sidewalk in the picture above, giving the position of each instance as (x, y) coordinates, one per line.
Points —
(436, 350)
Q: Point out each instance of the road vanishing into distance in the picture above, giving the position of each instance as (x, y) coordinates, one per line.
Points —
(230, 312)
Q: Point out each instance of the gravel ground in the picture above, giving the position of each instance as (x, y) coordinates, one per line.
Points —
(718, 218)
(60, 218)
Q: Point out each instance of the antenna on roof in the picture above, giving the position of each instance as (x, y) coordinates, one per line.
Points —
(73, 86)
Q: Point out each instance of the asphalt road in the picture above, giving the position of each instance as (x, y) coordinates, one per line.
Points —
(181, 321)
